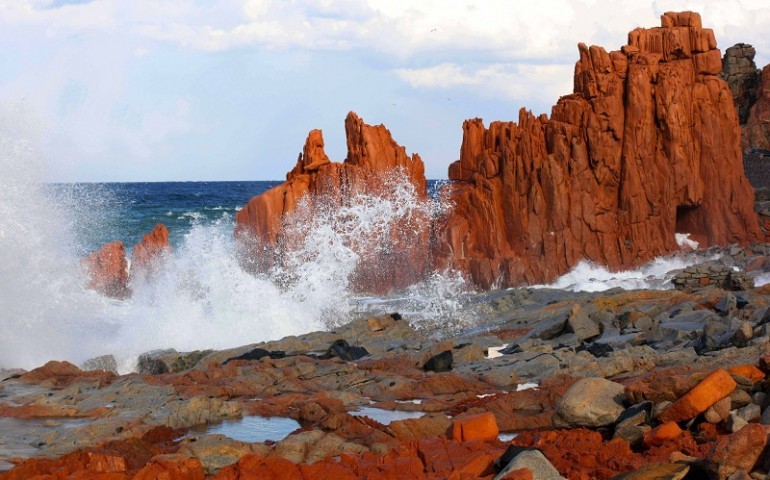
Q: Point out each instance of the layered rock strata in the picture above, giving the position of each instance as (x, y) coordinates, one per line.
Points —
(647, 146)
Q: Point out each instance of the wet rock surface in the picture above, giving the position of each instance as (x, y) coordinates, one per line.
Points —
(645, 147)
(646, 384)
(616, 384)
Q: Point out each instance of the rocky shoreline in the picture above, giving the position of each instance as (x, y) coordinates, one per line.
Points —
(539, 383)
(628, 384)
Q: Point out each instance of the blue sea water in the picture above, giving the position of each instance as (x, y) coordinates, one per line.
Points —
(201, 297)
(107, 212)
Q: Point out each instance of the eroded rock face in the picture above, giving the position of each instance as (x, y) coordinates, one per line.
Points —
(645, 147)
(281, 217)
(151, 249)
(107, 270)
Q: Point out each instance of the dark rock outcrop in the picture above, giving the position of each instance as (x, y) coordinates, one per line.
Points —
(756, 131)
(741, 74)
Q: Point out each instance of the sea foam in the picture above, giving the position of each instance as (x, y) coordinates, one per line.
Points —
(201, 297)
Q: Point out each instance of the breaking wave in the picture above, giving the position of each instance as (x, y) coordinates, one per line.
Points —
(654, 275)
(201, 297)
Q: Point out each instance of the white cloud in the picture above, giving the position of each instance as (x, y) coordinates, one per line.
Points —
(513, 53)
(503, 81)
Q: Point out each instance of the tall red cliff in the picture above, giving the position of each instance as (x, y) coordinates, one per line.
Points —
(372, 154)
(647, 146)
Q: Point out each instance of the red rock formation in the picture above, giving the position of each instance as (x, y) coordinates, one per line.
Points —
(756, 131)
(153, 246)
(646, 146)
(62, 374)
(372, 154)
(108, 270)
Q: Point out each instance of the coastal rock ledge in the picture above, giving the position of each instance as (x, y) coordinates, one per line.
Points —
(647, 145)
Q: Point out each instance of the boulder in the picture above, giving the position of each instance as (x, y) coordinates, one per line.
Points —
(482, 426)
(710, 390)
(534, 461)
(662, 433)
(148, 253)
(673, 471)
(590, 402)
(739, 451)
(581, 324)
(107, 270)
(439, 363)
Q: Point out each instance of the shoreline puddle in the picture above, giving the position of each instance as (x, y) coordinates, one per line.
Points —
(250, 428)
(385, 417)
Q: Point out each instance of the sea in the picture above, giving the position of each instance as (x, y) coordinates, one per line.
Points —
(202, 298)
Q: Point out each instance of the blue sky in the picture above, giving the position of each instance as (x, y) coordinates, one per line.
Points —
(130, 90)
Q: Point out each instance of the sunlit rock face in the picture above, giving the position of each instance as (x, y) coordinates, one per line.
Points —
(647, 146)
(392, 251)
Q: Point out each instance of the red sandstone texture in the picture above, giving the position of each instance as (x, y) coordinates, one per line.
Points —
(647, 146)
(756, 131)
(150, 250)
(107, 270)
(372, 155)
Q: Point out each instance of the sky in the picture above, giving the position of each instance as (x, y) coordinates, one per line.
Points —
(130, 90)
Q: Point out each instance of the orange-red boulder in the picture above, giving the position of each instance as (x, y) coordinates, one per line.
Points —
(389, 259)
(739, 451)
(750, 372)
(482, 426)
(710, 390)
(150, 250)
(662, 434)
(107, 270)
